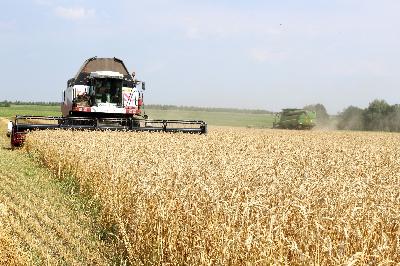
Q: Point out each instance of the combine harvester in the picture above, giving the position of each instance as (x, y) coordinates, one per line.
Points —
(102, 96)
(295, 119)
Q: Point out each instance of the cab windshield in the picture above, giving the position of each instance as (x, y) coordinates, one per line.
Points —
(106, 91)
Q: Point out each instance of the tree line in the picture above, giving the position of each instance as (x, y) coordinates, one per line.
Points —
(9, 103)
(378, 116)
(5, 104)
(206, 109)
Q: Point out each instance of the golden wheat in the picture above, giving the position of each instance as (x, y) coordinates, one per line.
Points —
(239, 196)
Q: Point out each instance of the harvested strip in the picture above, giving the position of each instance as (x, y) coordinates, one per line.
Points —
(40, 224)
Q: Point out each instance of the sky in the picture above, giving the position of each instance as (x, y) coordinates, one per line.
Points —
(254, 54)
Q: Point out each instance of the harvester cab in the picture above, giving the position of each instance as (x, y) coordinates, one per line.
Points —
(102, 96)
(103, 87)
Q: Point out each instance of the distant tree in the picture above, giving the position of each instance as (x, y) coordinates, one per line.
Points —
(207, 109)
(377, 116)
(320, 110)
(351, 119)
(393, 118)
(34, 103)
(5, 104)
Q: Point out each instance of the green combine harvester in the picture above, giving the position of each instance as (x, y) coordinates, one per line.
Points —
(295, 119)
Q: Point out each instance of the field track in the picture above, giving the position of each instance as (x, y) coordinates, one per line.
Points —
(38, 223)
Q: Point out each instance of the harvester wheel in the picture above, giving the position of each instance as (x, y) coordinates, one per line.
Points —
(203, 129)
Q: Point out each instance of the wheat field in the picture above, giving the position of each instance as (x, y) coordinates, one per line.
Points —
(238, 196)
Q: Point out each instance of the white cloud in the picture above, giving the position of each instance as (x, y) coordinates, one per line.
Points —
(264, 55)
(192, 32)
(154, 67)
(224, 25)
(7, 25)
(44, 2)
(364, 67)
(74, 13)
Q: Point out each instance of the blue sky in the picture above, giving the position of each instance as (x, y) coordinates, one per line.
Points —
(246, 54)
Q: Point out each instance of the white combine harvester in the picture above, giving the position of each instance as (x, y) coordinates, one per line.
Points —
(102, 96)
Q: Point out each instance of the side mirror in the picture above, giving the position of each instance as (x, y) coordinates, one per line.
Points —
(143, 85)
(10, 126)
